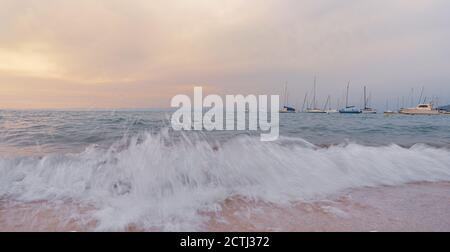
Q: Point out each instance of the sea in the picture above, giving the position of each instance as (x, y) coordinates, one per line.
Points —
(115, 170)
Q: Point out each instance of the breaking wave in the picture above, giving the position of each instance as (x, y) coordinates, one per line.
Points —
(160, 181)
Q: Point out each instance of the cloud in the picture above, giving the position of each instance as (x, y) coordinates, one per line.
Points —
(233, 46)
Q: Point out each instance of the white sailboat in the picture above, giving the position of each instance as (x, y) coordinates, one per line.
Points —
(327, 108)
(366, 109)
(314, 108)
(388, 111)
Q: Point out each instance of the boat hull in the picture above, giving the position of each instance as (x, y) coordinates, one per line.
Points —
(421, 109)
(315, 111)
(418, 112)
(367, 110)
(287, 109)
(350, 112)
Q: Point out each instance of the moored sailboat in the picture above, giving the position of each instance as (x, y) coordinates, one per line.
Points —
(366, 109)
(327, 108)
(286, 108)
(349, 109)
(314, 108)
(388, 111)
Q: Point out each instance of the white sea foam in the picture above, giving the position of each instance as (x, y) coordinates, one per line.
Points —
(163, 183)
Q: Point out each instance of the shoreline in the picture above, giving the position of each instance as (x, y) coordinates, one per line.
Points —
(420, 206)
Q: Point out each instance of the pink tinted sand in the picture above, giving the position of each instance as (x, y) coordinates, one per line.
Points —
(411, 207)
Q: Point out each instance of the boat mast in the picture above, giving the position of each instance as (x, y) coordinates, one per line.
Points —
(304, 101)
(421, 94)
(287, 96)
(365, 98)
(314, 97)
(346, 97)
(326, 103)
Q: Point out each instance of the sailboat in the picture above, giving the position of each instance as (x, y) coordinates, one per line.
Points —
(349, 109)
(366, 109)
(329, 110)
(286, 108)
(388, 111)
(314, 108)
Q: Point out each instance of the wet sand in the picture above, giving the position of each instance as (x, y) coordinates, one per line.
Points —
(410, 207)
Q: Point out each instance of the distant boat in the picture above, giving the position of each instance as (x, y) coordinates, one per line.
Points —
(421, 109)
(314, 108)
(286, 108)
(316, 111)
(388, 111)
(327, 108)
(366, 109)
(330, 110)
(349, 109)
(369, 111)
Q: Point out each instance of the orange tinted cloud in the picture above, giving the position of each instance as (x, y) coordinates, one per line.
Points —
(139, 53)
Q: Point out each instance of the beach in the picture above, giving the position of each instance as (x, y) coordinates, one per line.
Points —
(128, 171)
(201, 116)
(411, 207)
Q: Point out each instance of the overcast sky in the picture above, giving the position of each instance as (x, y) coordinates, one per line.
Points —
(140, 53)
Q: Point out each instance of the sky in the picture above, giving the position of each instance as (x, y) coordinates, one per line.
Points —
(140, 53)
